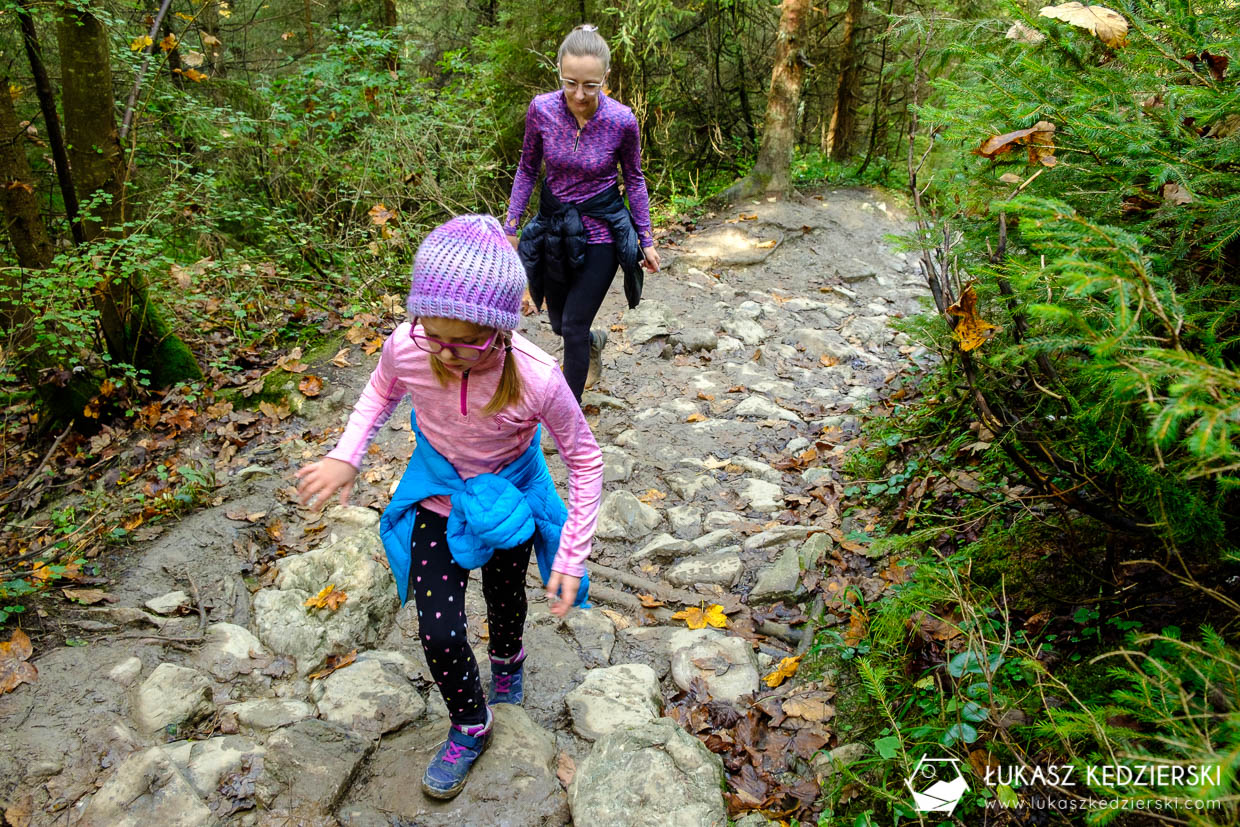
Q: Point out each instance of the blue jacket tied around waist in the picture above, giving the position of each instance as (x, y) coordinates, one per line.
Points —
(489, 511)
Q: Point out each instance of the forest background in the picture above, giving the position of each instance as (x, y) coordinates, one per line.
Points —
(250, 176)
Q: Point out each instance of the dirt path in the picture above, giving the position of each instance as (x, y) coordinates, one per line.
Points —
(768, 335)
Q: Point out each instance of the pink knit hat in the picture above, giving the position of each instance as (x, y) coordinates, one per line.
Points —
(466, 269)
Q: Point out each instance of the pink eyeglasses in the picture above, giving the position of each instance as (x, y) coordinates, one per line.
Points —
(466, 353)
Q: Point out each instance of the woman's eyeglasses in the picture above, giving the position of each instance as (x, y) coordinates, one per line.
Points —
(590, 89)
(466, 353)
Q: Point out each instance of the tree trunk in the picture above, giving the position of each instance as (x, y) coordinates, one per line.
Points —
(844, 113)
(62, 393)
(134, 331)
(771, 172)
(391, 61)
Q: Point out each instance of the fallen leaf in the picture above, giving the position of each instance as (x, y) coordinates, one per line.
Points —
(786, 669)
(766, 245)
(807, 709)
(380, 215)
(333, 663)
(652, 495)
(88, 597)
(371, 347)
(1107, 25)
(971, 332)
(1175, 194)
(695, 417)
(1021, 33)
(245, 516)
(1039, 139)
(697, 618)
(650, 601)
(276, 412)
(858, 623)
(717, 664)
(565, 769)
(705, 397)
(18, 813)
(310, 385)
(328, 598)
(1010, 178)
(617, 619)
(14, 669)
(341, 359)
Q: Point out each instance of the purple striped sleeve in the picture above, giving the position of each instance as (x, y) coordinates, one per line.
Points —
(630, 152)
(527, 170)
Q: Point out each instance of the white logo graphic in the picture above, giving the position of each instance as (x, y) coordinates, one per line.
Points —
(937, 785)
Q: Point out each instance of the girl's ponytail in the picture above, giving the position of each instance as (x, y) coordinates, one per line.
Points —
(508, 392)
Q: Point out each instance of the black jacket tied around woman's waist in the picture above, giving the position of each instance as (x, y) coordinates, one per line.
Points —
(553, 243)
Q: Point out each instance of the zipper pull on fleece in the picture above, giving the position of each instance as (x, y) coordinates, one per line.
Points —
(464, 390)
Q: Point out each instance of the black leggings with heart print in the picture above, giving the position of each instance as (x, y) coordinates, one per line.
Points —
(437, 584)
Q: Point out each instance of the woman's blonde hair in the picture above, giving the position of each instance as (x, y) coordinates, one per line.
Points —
(509, 390)
(585, 41)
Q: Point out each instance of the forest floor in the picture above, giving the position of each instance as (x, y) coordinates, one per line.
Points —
(205, 692)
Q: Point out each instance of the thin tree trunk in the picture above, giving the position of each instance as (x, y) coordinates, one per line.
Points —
(391, 60)
(134, 331)
(51, 121)
(62, 393)
(882, 98)
(771, 172)
(844, 113)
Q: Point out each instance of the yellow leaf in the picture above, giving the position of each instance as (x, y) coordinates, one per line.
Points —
(183, 16)
(1107, 25)
(697, 618)
(225, 11)
(650, 601)
(333, 663)
(194, 75)
(695, 417)
(380, 215)
(168, 43)
(765, 245)
(140, 43)
(652, 495)
(786, 669)
(328, 598)
(971, 332)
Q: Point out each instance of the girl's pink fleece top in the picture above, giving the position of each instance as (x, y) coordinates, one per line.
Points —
(451, 418)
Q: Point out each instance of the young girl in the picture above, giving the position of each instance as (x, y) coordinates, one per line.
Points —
(571, 248)
(477, 491)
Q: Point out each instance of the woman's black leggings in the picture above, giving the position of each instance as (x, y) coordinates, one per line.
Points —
(573, 306)
(437, 584)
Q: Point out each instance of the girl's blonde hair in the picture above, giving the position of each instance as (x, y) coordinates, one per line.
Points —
(509, 390)
(585, 41)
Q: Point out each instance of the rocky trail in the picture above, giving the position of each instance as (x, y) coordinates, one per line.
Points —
(209, 693)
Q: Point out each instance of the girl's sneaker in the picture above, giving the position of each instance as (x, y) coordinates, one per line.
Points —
(598, 341)
(445, 776)
(507, 679)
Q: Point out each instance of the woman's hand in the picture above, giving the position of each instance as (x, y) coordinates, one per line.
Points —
(565, 587)
(650, 258)
(321, 479)
(512, 239)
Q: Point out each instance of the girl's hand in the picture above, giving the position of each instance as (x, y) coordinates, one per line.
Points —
(565, 587)
(512, 239)
(321, 479)
(651, 258)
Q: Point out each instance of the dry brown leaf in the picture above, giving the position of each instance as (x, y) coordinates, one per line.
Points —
(310, 385)
(341, 359)
(1010, 178)
(617, 619)
(786, 669)
(1021, 33)
(18, 813)
(333, 663)
(371, 347)
(652, 496)
(1107, 25)
(971, 332)
(706, 397)
(276, 412)
(245, 516)
(1175, 194)
(88, 597)
(697, 618)
(565, 769)
(650, 601)
(380, 215)
(14, 669)
(858, 623)
(328, 598)
(695, 417)
(765, 245)
(808, 709)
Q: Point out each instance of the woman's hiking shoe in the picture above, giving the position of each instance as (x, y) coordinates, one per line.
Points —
(598, 340)
(507, 679)
(446, 774)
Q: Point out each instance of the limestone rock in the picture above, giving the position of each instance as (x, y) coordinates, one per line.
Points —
(309, 766)
(685, 521)
(353, 566)
(228, 651)
(624, 517)
(759, 495)
(147, 788)
(368, 698)
(778, 580)
(726, 664)
(721, 568)
(172, 695)
(614, 697)
(655, 773)
(265, 714)
(663, 548)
